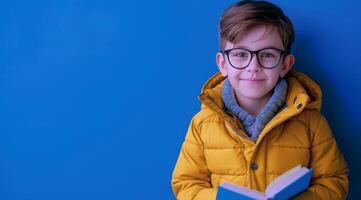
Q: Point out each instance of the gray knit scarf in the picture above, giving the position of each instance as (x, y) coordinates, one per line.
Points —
(254, 125)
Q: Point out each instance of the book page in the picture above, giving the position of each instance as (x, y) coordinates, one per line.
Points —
(243, 190)
(284, 181)
(283, 176)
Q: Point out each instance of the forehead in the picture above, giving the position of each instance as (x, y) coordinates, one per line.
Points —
(258, 37)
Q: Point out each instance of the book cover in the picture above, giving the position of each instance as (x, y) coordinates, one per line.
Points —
(285, 186)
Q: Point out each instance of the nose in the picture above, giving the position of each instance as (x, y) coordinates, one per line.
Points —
(254, 65)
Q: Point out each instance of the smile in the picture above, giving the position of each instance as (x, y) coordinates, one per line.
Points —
(253, 81)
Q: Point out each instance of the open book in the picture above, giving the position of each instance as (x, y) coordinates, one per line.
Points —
(284, 186)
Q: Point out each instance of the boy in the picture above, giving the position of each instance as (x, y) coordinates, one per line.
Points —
(258, 119)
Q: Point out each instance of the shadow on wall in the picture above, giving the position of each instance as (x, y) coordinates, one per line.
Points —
(340, 119)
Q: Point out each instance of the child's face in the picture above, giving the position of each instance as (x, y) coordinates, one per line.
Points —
(255, 82)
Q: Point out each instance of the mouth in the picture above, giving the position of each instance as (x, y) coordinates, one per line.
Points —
(253, 80)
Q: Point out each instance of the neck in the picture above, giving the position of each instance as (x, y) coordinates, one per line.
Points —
(253, 106)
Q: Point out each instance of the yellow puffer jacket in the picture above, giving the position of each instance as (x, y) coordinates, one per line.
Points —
(217, 149)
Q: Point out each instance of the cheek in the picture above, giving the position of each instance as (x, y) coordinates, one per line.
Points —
(234, 73)
(273, 78)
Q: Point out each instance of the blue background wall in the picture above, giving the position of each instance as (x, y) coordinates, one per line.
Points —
(96, 96)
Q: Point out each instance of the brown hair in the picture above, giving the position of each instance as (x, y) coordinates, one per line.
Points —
(244, 15)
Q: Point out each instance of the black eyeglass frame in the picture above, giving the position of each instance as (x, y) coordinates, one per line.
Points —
(282, 56)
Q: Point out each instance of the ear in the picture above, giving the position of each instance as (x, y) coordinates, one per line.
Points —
(221, 63)
(287, 65)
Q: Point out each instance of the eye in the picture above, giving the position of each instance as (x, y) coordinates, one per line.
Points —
(267, 55)
(240, 54)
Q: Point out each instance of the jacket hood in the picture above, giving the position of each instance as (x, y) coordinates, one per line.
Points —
(302, 90)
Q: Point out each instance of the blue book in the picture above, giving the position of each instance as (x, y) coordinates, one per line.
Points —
(285, 186)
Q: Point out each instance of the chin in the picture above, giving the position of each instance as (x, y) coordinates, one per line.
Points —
(254, 96)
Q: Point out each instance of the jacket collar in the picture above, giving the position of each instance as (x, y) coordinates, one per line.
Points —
(302, 93)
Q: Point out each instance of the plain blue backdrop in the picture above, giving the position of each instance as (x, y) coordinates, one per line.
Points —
(96, 96)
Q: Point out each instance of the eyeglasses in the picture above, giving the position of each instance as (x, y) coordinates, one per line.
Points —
(268, 58)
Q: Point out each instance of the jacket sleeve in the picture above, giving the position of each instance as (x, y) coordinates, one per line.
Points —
(191, 177)
(330, 175)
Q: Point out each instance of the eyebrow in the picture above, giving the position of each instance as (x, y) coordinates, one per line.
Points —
(265, 47)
